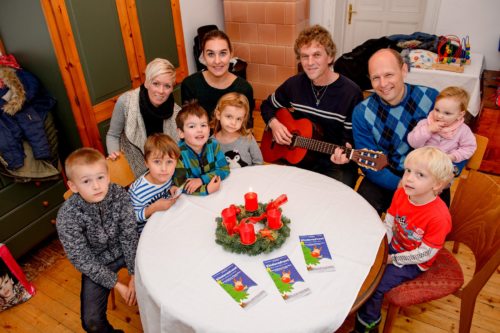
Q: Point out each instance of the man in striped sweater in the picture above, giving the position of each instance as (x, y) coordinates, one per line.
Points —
(324, 97)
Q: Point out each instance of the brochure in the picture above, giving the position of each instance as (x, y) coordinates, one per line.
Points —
(316, 253)
(286, 278)
(239, 286)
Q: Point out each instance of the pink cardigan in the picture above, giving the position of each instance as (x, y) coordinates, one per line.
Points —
(461, 146)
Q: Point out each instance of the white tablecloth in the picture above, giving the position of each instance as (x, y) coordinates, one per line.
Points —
(470, 80)
(177, 256)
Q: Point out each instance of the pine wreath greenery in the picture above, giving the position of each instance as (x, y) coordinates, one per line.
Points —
(262, 244)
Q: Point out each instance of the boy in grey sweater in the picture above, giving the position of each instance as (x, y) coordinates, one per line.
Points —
(97, 229)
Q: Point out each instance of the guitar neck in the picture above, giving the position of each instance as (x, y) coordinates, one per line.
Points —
(319, 146)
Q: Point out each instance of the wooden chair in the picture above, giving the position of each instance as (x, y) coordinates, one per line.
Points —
(473, 164)
(475, 224)
(475, 161)
(119, 173)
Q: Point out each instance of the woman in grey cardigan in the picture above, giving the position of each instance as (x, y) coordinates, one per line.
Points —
(141, 112)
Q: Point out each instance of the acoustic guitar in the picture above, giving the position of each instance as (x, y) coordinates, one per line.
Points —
(302, 141)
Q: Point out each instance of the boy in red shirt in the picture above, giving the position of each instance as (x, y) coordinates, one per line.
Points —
(417, 223)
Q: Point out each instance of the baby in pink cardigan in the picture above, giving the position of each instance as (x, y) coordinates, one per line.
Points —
(444, 128)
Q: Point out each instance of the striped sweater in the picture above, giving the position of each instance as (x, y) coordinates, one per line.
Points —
(143, 194)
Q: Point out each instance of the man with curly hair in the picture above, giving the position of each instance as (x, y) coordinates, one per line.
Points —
(321, 95)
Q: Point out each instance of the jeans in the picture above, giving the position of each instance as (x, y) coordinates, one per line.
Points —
(393, 276)
(94, 302)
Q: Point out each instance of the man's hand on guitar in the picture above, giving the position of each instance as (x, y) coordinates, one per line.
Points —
(339, 156)
(281, 135)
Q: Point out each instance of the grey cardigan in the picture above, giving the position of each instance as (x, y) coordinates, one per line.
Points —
(127, 131)
(96, 234)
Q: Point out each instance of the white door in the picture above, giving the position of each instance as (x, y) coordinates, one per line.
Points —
(367, 19)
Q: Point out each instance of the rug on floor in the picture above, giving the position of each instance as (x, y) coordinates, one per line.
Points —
(42, 257)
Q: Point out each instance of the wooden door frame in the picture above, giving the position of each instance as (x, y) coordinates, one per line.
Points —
(87, 116)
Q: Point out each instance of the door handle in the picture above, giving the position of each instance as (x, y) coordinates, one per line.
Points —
(350, 14)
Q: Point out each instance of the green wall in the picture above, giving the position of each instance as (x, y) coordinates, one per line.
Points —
(25, 35)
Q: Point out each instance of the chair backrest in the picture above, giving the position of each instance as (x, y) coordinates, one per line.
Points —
(119, 173)
(475, 213)
(475, 161)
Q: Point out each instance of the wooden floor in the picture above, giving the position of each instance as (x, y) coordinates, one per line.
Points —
(55, 308)
(489, 125)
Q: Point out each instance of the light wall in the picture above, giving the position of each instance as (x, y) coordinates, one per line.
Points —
(480, 20)
(477, 19)
(196, 13)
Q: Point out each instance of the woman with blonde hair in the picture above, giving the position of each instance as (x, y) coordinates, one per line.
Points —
(143, 111)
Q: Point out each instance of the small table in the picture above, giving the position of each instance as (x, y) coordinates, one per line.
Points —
(177, 256)
(470, 80)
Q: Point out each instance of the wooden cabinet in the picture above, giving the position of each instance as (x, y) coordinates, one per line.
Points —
(28, 212)
(103, 46)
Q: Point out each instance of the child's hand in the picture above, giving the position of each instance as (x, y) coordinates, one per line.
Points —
(214, 184)
(172, 191)
(435, 126)
(132, 297)
(114, 155)
(192, 184)
(164, 204)
(389, 259)
(126, 292)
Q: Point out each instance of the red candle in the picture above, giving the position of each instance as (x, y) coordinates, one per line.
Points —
(274, 219)
(251, 203)
(278, 202)
(247, 233)
(229, 219)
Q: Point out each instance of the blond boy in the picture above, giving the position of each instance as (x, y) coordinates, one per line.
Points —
(97, 229)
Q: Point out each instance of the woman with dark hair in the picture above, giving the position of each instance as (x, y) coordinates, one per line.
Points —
(209, 85)
(141, 112)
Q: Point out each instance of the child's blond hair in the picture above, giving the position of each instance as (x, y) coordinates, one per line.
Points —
(232, 99)
(458, 94)
(191, 108)
(438, 163)
(162, 144)
(82, 157)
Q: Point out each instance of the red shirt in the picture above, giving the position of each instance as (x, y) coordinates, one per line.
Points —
(414, 224)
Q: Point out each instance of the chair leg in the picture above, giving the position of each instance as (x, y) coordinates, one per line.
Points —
(392, 312)
(466, 313)
(112, 296)
(456, 245)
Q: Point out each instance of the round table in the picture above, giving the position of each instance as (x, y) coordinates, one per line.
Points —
(177, 256)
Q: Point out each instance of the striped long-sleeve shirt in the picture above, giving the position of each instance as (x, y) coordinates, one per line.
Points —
(143, 194)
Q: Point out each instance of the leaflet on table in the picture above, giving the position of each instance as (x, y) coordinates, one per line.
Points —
(316, 253)
(286, 278)
(239, 286)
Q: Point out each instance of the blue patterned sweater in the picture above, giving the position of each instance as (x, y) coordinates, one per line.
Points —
(383, 127)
